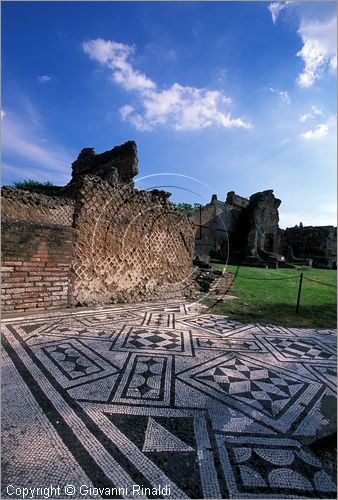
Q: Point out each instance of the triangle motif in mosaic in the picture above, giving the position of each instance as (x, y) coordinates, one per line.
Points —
(158, 438)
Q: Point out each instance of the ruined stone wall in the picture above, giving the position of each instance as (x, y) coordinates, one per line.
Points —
(205, 229)
(120, 164)
(318, 243)
(234, 200)
(17, 204)
(128, 244)
(96, 240)
(217, 226)
(262, 224)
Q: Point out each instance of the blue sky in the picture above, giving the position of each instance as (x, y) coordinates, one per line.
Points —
(218, 96)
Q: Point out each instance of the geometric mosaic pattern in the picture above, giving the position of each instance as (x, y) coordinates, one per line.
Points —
(260, 391)
(166, 396)
(71, 361)
(227, 344)
(154, 339)
(308, 349)
(215, 324)
(268, 468)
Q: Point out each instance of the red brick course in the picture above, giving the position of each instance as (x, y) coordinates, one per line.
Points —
(36, 260)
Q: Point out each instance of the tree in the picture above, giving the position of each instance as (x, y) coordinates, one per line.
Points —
(30, 183)
(188, 208)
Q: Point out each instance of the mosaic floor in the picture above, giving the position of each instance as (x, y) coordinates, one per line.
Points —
(159, 401)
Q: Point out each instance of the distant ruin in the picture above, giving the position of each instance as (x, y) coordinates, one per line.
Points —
(246, 231)
(316, 243)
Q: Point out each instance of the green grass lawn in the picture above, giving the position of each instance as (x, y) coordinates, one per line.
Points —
(262, 298)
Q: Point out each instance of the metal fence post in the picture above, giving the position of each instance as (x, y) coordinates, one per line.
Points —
(299, 292)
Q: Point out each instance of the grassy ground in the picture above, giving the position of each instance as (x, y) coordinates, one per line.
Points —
(261, 297)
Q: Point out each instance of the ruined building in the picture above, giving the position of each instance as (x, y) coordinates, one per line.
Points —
(217, 226)
(317, 243)
(97, 240)
(246, 231)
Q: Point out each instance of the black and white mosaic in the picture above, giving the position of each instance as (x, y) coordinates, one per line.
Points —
(164, 394)
(265, 467)
(309, 349)
(154, 339)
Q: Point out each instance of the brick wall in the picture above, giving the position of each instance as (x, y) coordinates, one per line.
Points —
(36, 260)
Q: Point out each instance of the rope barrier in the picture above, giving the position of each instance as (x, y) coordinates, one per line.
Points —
(237, 275)
(320, 282)
(266, 279)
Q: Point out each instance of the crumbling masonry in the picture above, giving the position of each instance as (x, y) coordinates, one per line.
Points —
(95, 241)
(98, 240)
(246, 231)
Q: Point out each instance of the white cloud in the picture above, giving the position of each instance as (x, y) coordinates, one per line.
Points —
(317, 111)
(115, 55)
(309, 116)
(283, 94)
(188, 108)
(275, 9)
(3, 114)
(43, 79)
(178, 107)
(22, 141)
(36, 173)
(127, 113)
(305, 118)
(320, 131)
(319, 50)
(31, 113)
